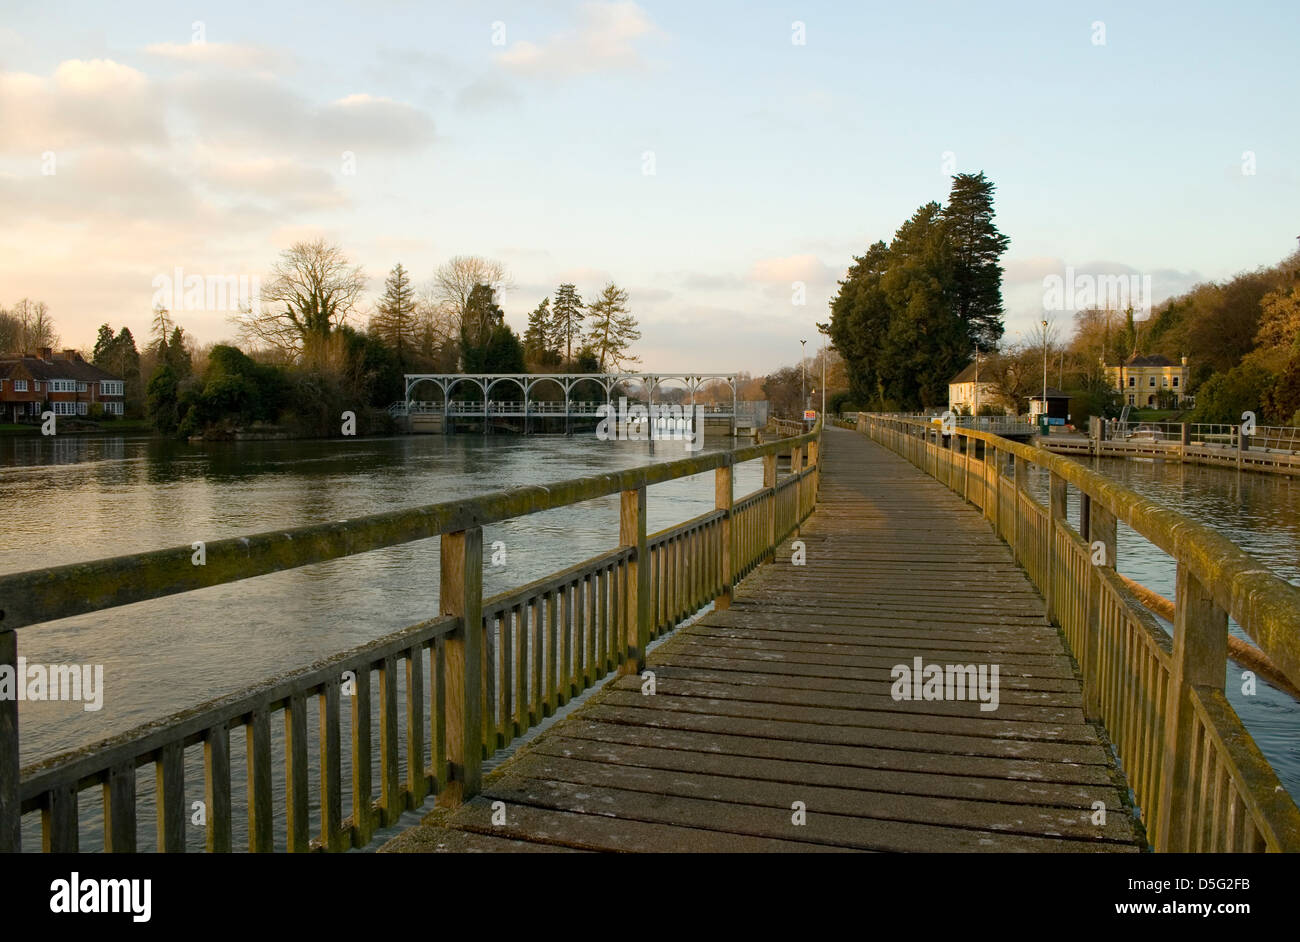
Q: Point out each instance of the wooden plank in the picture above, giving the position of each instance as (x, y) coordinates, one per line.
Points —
(11, 819)
(390, 780)
(363, 818)
(169, 775)
(461, 594)
(216, 789)
(119, 810)
(331, 762)
(261, 839)
(297, 796)
(417, 781)
(59, 815)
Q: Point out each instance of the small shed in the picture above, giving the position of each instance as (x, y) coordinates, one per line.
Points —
(1058, 406)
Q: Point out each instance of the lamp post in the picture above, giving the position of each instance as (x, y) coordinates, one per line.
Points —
(823, 382)
(803, 379)
(1044, 373)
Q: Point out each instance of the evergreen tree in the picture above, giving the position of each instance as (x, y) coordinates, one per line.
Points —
(177, 356)
(478, 329)
(395, 320)
(103, 346)
(566, 319)
(537, 336)
(612, 329)
(859, 321)
(976, 246)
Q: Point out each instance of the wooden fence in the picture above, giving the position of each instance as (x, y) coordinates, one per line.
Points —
(1200, 781)
(447, 697)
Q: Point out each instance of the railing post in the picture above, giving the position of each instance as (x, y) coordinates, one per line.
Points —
(723, 495)
(10, 805)
(1101, 529)
(769, 481)
(1021, 479)
(1199, 657)
(814, 464)
(461, 595)
(636, 628)
(992, 500)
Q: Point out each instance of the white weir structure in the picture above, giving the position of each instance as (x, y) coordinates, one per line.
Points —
(515, 395)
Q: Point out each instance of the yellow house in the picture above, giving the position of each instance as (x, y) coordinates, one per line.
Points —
(964, 394)
(1144, 381)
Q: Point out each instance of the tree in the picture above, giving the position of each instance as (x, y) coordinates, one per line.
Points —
(312, 290)
(29, 327)
(538, 335)
(566, 318)
(103, 345)
(454, 282)
(612, 329)
(11, 333)
(860, 317)
(1225, 396)
(395, 318)
(162, 400)
(162, 328)
(1279, 322)
(976, 246)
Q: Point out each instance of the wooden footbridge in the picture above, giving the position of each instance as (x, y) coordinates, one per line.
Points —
(905, 652)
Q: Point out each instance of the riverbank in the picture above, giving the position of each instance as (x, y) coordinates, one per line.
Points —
(83, 427)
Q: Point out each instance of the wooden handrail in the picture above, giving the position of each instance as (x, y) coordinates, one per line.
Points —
(465, 682)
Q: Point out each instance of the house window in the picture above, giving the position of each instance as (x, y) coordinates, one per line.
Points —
(1132, 381)
(83, 408)
(37, 384)
(81, 387)
(20, 385)
(115, 408)
(109, 387)
(64, 408)
(1164, 381)
(1175, 382)
(1152, 381)
(1130, 399)
(63, 385)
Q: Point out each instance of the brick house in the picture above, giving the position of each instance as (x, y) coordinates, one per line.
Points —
(62, 383)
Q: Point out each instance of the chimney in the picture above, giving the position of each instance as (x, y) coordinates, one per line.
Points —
(47, 353)
(70, 355)
(1184, 361)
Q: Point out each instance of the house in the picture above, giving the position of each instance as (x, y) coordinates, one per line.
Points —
(62, 383)
(966, 397)
(1146, 381)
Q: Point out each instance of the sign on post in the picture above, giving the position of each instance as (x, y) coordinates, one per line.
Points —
(809, 415)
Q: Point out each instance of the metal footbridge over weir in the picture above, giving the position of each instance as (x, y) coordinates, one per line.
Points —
(516, 395)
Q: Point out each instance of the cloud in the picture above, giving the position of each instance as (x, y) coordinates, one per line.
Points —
(784, 270)
(486, 92)
(98, 102)
(604, 41)
(244, 56)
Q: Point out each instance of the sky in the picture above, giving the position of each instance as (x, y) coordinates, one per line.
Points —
(707, 157)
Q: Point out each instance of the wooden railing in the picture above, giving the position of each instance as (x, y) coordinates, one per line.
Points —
(446, 698)
(1200, 780)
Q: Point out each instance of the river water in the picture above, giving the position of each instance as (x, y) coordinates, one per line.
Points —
(1261, 514)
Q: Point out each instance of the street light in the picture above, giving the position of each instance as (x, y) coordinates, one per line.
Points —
(1044, 373)
(803, 379)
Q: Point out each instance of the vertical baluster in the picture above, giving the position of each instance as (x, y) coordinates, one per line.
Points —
(59, 816)
(331, 768)
(568, 667)
(537, 631)
(119, 810)
(216, 788)
(363, 821)
(169, 776)
(390, 782)
(295, 754)
(520, 650)
(491, 667)
(416, 780)
(581, 588)
(552, 653)
(505, 675)
(438, 711)
(261, 839)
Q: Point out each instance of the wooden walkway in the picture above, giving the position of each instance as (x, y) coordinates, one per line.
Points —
(785, 698)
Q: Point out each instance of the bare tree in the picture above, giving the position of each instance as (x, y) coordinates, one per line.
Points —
(32, 326)
(312, 290)
(454, 281)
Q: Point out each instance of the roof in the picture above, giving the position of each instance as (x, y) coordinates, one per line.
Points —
(1154, 359)
(966, 376)
(58, 368)
(1052, 393)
